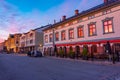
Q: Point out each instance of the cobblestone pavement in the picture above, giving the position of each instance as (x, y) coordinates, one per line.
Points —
(22, 67)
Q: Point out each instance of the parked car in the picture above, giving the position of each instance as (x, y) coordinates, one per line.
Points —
(38, 54)
(29, 53)
(35, 53)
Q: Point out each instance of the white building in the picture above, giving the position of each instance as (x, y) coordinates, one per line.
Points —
(32, 40)
(93, 28)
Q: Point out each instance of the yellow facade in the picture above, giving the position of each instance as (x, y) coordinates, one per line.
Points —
(12, 43)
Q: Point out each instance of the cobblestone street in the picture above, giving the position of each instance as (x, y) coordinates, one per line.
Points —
(22, 67)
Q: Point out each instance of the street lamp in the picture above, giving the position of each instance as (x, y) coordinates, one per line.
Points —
(40, 47)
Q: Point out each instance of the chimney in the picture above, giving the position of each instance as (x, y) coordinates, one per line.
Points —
(54, 21)
(76, 12)
(105, 1)
(63, 18)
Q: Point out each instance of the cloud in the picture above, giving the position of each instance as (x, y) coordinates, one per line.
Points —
(14, 21)
(67, 8)
(3, 35)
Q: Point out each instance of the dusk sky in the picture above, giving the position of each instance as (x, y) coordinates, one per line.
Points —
(17, 16)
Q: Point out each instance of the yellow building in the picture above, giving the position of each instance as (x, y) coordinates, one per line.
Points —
(12, 43)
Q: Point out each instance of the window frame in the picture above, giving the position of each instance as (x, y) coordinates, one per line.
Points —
(92, 23)
(46, 36)
(58, 36)
(64, 35)
(50, 39)
(108, 19)
(69, 33)
(81, 26)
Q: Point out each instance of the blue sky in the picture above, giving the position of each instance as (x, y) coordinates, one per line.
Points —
(17, 16)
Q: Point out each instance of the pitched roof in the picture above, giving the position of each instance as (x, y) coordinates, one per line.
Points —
(83, 13)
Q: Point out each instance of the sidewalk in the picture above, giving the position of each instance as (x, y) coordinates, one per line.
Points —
(101, 62)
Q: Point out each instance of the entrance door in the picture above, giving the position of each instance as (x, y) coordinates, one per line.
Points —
(94, 49)
(65, 51)
(116, 51)
(77, 51)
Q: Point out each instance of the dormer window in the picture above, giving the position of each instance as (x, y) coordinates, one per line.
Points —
(91, 17)
(106, 12)
(31, 34)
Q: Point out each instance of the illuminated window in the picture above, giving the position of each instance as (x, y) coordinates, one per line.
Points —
(51, 37)
(71, 34)
(63, 35)
(80, 32)
(46, 38)
(108, 25)
(57, 36)
(92, 29)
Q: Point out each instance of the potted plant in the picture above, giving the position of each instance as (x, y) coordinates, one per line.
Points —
(61, 53)
(85, 53)
(71, 54)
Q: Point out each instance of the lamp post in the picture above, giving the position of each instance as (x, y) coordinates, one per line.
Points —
(53, 41)
(40, 47)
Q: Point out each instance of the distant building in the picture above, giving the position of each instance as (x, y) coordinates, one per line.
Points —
(91, 28)
(32, 40)
(12, 43)
(2, 46)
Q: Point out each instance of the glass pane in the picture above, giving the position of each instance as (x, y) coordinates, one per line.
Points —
(93, 30)
(109, 22)
(106, 29)
(105, 23)
(90, 33)
(110, 28)
(93, 26)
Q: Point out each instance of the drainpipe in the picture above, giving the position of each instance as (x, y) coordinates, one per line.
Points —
(53, 40)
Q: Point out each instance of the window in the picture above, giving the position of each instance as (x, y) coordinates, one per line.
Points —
(23, 37)
(80, 32)
(51, 37)
(92, 29)
(63, 35)
(106, 12)
(71, 33)
(91, 17)
(46, 38)
(108, 25)
(31, 34)
(57, 36)
(71, 23)
(31, 41)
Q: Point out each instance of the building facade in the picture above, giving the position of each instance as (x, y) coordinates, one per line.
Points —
(12, 43)
(1, 46)
(91, 28)
(32, 40)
